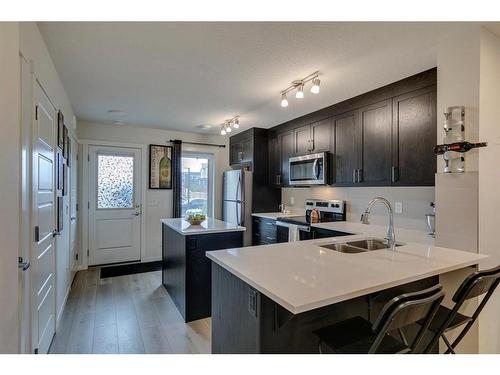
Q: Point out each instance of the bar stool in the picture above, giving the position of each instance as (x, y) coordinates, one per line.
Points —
(476, 284)
(357, 335)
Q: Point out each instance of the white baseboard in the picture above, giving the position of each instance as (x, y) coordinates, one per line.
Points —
(63, 306)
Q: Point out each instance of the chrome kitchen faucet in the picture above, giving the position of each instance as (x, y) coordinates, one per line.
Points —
(365, 219)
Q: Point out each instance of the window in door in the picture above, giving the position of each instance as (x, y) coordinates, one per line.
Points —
(115, 181)
(197, 184)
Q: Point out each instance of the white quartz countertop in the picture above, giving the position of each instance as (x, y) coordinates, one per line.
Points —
(302, 276)
(275, 215)
(207, 226)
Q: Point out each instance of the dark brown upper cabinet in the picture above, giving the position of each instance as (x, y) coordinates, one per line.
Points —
(240, 150)
(312, 138)
(381, 138)
(345, 149)
(374, 134)
(414, 134)
(281, 147)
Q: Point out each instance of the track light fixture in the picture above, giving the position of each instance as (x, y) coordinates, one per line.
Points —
(299, 86)
(229, 125)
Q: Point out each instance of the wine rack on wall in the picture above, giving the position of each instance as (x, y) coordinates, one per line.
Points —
(454, 144)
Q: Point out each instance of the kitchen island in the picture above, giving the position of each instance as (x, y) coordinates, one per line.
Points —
(269, 299)
(186, 271)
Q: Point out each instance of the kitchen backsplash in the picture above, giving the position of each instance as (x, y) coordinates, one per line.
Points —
(415, 201)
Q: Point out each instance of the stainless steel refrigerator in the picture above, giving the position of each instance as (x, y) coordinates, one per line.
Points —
(237, 201)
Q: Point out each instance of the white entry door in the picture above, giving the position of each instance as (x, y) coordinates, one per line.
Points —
(114, 204)
(43, 257)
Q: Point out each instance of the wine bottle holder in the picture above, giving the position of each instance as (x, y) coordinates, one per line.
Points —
(454, 129)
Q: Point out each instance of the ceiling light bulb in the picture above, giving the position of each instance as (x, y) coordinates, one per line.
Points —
(315, 86)
(222, 131)
(228, 127)
(236, 123)
(284, 101)
(300, 92)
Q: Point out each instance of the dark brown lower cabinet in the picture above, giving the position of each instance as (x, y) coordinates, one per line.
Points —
(245, 321)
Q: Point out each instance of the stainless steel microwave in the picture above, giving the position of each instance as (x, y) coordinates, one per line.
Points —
(308, 169)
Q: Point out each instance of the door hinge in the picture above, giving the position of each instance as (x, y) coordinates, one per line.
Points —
(76, 207)
(37, 233)
(36, 350)
(76, 157)
(88, 205)
(36, 112)
(88, 158)
(76, 256)
(88, 252)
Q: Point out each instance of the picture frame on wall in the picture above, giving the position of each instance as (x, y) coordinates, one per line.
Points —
(60, 171)
(60, 214)
(68, 158)
(65, 142)
(65, 180)
(60, 130)
(160, 167)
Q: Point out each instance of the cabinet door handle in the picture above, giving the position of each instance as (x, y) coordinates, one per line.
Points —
(394, 173)
(354, 174)
(312, 145)
(278, 179)
(360, 175)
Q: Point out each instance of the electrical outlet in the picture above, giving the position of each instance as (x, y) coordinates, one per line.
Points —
(398, 207)
(292, 201)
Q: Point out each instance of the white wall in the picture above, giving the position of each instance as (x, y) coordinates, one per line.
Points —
(33, 48)
(416, 202)
(158, 202)
(10, 180)
(489, 182)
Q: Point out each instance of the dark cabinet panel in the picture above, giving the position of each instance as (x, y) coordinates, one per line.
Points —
(320, 135)
(414, 134)
(375, 134)
(246, 150)
(286, 150)
(235, 150)
(302, 140)
(345, 148)
(263, 231)
(274, 160)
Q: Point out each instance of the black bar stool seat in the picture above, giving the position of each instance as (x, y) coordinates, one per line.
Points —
(355, 336)
(359, 336)
(442, 315)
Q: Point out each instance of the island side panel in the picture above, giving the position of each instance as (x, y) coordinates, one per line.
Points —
(174, 266)
(235, 314)
(199, 271)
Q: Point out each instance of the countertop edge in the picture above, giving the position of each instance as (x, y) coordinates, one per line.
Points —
(336, 299)
(203, 230)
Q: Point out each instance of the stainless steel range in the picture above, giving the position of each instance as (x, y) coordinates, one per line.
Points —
(298, 228)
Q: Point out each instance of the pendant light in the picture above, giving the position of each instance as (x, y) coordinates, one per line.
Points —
(300, 91)
(315, 86)
(284, 101)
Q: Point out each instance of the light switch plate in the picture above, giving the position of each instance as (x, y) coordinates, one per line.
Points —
(398, 207)
(292, 201)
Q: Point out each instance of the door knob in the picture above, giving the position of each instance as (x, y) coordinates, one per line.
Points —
(22, 264)
(136, 213)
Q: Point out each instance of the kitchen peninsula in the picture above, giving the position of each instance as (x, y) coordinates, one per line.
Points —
(270, 298)
(186, 271)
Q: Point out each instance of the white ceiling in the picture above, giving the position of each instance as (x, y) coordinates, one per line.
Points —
(182, 75)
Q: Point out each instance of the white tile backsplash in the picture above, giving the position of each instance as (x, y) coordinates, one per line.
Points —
(415, 201)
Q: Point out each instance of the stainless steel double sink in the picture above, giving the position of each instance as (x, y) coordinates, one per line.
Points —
(360, 246)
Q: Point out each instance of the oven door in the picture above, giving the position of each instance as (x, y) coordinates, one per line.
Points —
(308, 169)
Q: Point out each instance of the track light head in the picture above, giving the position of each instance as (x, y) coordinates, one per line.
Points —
(228, 127)
(236, 123)
(284, 101)
(223, 131)
(300, 91)
(315, 86)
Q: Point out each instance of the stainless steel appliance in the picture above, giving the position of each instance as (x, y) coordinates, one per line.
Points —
(298, 228)
(237, 200)
(311, 169)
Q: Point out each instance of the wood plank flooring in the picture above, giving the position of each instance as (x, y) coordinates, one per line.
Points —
(126, 314)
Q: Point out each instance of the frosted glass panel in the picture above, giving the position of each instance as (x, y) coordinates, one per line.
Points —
(115, 181)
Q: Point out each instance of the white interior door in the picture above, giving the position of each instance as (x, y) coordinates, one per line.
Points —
(43, 256)
(73, 180)
(114, 204)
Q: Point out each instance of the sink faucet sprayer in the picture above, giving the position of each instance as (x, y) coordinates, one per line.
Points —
(365, 219)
